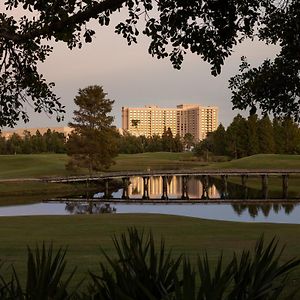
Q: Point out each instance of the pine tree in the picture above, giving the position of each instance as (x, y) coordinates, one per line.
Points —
(219, 141)
(93, 142)
(237, 137)
(265, 134)
(253, 143)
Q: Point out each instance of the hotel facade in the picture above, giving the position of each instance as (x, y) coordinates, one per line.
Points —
(185, 118)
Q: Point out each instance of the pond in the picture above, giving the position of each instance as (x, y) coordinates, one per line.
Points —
(242, 211)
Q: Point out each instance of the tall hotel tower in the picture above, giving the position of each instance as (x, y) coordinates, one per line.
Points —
(186, 118)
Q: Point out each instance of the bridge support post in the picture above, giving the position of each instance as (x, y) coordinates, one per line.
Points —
(106, 189)
(224, 190)
(285, 184)
(205, 183)
(146, 189)
(164, 188)
(185, 194)
(244, 178)
(264, 186)
(125, 194)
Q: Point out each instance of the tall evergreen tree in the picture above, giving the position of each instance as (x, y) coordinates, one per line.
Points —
(27, 143)
(219, 140)
(291, 136)
(2, 144)
(38, 143)
(167, 140)
(252, 136)
(236, 137)
(278, 135)
(14, 144)
(93, 143)
(265, 134)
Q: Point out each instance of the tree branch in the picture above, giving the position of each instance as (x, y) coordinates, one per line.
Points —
(79, 18)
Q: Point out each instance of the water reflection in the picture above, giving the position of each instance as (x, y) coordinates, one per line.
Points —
(140, 195)
(79, 208)
(195, 186)
(266, 209)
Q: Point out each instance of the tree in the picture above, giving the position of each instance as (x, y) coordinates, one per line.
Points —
(266, 135)
(14, 144)
(27, 142)
(207, 28)
(2, 144)
(167, 140)
(188, 141)
(93, 142)
(253, 142)
(236, 137)
(275, 85)
(291, 136)
(219, 140)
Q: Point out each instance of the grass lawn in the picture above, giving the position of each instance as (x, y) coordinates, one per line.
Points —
(45, 165)
(32, 165)
(261, 161)
(84, 234)
(156, 161)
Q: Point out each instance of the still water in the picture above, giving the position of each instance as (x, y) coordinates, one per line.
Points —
(264, 212)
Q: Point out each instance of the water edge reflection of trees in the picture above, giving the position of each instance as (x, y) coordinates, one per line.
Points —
(90, 207)
(265, 209)
(210, 187)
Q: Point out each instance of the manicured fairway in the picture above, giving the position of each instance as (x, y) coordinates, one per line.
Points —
(44, 165)
(86, 233)
(262, 161)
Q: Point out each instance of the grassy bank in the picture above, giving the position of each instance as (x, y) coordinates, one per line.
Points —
(261, 161)
(84, 236)
(45, 165)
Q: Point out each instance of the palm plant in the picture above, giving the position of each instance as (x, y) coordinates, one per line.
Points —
(261, 275)
(257, 275)
(45, 270)
(141, 271)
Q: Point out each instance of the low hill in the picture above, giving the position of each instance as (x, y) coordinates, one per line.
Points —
(262, 161)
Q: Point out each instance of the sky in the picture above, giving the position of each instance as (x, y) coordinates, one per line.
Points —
(131, 77)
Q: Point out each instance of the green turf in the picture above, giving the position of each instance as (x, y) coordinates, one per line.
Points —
(45, 165)
(86, 233)
(42, 165)
(156, 161)
(262, 161)
(32, 165)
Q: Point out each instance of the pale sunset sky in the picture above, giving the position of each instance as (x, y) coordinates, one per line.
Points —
(131, 77)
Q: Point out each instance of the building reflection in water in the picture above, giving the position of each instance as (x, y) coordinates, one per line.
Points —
(174, 187)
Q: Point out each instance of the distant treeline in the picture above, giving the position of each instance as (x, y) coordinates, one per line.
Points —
(55, 142)
(130, 144)
(243, 137)
(51, 141)
(250, 136)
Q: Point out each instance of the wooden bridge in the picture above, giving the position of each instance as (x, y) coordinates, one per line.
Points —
(204, 176)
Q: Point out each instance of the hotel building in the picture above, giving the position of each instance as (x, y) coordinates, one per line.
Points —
(185, 118)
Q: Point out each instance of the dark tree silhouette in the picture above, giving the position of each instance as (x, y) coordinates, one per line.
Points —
(207, 28)
(93, 142)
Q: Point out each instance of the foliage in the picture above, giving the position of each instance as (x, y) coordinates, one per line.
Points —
(130, 144)
(49, 142)
(144, 271)
(45, 271)
(252, 136)
(275, 85)
(207, 28)
(93, 142)
(141, 271)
